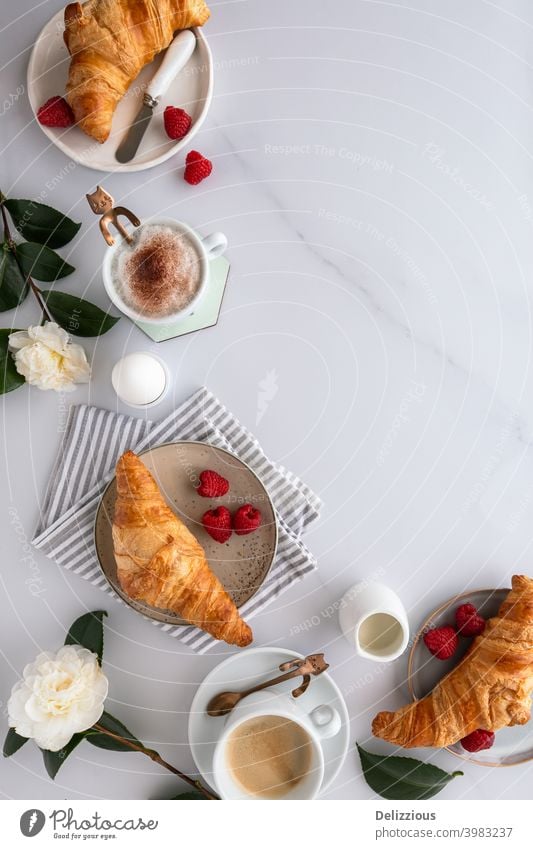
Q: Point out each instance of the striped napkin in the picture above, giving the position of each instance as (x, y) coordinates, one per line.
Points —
(94, 439)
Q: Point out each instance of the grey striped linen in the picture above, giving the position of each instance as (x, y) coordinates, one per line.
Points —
(92, 443)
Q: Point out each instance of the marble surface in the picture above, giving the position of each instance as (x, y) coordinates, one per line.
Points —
(373, 171)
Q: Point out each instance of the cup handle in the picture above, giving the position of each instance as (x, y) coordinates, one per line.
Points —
(214, 245)
(326, 721)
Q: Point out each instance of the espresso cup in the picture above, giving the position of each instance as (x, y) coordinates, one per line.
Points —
(319, 724)
(207, 248)
(374, 621)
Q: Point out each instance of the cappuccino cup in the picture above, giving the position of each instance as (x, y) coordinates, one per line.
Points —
(160, 275)
(270, 748)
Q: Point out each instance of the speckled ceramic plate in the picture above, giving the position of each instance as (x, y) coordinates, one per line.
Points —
(243, 562)
(512, 745)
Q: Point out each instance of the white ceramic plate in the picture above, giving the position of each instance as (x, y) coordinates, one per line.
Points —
(512, 745)
(241, 671)
(243, 562)
(191, 90)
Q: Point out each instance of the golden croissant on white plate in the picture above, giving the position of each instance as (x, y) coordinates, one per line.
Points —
(159, 561)
(110, 41)
(490, 688)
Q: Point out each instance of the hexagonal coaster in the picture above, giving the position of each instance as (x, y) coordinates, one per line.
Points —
(205, 315)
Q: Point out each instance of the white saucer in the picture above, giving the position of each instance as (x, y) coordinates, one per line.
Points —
(191, 90)
(241, 671)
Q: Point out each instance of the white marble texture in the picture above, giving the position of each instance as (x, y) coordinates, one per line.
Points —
(373, 171)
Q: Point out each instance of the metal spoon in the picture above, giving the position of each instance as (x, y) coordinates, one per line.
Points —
(313, 664)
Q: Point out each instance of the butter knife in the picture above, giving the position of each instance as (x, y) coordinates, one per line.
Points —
(177, 55)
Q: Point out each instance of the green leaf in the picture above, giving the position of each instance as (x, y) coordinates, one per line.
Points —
(88, 631)
(191, 795)
(41, 262)
(10, 379)
(40, 223)
(13, 284)
(79, 317)
(53, 760)
(103, 741)
(395, 777)
(13, 743)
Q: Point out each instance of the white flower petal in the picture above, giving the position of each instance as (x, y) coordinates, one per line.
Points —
(61, 694)
(35, 710)
(18, 340)
(52, 736)
(47, 359)
(51, 335)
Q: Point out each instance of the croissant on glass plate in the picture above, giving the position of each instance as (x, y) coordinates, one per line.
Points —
(490, 688)
(159, 561)
(110, 41)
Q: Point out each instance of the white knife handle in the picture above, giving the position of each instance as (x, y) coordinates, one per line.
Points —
(177, 55)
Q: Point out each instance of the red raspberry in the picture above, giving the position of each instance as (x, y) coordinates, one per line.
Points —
(469, 622)
(177, 122)
(246, 520)
(197, 168)
(442, 642)
(217, 523)
(55, 113)
(212, 485)
(478, 740)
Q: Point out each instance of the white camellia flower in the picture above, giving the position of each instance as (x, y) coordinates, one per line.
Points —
(46, 357)
(60, 694)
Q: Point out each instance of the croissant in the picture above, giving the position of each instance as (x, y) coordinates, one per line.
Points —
(490, 688)
(159, 561)
(110, 41)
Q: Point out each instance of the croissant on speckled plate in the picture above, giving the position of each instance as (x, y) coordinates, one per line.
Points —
(159, 561)
(490, 688)
(110, 41)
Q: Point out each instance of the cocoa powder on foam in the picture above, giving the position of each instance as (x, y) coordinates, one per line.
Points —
(159, 273)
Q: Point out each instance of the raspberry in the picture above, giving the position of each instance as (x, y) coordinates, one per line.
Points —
(212, 485)
(177, 122)
(469, 622)
(246, 520)
(217, 523)
(197, 168)
(478, 740)
(442, 642)
(55, 113)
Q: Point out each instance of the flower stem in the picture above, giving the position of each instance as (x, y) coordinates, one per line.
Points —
(12, 247)
(154, 756)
